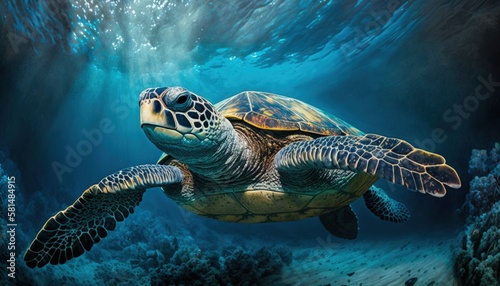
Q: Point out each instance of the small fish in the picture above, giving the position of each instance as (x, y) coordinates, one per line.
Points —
(411, 281)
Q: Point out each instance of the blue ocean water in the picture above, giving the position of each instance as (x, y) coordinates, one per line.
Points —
(424, 72)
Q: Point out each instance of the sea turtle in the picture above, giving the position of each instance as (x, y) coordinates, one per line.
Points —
(254, 157)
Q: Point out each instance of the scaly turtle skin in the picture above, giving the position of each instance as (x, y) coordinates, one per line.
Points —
(255, 157)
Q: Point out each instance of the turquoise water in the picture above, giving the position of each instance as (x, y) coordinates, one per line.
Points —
(424, 72)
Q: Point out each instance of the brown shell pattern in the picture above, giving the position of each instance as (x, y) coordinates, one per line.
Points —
(275, 112)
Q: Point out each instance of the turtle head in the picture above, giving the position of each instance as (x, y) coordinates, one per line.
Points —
(177, 120)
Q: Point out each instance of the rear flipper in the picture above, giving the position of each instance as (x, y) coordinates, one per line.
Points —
(342, 223)
(70, 232)
(384, 207)
(389, 158)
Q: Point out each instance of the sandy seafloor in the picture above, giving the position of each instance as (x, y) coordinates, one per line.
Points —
(390, 262)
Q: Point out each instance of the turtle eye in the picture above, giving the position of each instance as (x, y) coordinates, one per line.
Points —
(182, 99)
(180, 102)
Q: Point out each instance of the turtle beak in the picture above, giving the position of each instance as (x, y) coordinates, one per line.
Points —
(161, 136)
(157, 122)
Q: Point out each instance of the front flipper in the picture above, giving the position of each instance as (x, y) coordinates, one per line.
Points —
(341, 223)
(77, 228)
(389, 158)
(384, 207)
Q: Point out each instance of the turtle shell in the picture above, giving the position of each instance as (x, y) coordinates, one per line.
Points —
(270, 111)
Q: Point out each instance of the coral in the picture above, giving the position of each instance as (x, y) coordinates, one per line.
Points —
(159, 257)
(116, 273)
(238, 266)
(482, 195)
(232, 266)
(481, 163)
(478, 164)
(189, 267)
(477, 261)
(146, 248)
(285, 254)
(495, 154)
(268, 262)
